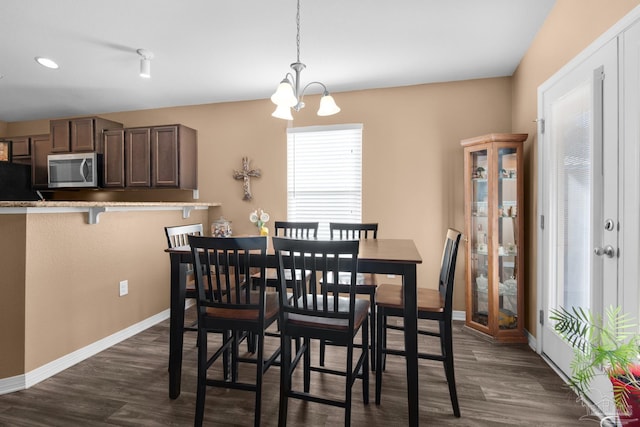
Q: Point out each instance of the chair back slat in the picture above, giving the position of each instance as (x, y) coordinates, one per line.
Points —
(224, 266)
(296, 229)
(351, 231)
(322, 259)
(448, 269)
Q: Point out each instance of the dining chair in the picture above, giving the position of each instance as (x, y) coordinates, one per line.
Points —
(433, 304)
(316, 312)
(225, 302)
(366, 282)
(296, 229)
(179, 236)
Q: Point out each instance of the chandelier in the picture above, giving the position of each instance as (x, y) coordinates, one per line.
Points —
(288, 94)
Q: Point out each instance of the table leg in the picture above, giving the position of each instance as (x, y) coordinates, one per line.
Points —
(176, 324)
(411, 340)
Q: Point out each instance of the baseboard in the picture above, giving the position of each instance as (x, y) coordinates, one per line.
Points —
(20, 382)
(459, 315)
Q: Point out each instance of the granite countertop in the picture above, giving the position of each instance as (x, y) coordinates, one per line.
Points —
(97, 204)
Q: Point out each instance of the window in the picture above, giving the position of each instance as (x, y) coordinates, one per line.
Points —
(324, 175)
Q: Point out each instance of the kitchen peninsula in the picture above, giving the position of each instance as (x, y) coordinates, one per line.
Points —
(61, 266)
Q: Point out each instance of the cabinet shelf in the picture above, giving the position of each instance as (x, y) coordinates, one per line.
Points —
(495, 287)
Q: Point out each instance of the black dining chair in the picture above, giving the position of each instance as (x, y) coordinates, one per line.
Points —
(296, 229)
(433, 304)
(318, 312)
(179, 236)
(226, 302)
(366, 282)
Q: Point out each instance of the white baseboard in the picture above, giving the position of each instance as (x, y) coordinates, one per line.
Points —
(20, 382)
(459, 315)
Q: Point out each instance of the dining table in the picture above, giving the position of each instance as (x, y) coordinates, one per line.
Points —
(398, 257)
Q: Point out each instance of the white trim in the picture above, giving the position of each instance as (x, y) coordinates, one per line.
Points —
(20, 382)
(459, 315)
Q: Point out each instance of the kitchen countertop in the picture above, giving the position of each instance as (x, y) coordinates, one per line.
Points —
(95, 208)
(97, 204)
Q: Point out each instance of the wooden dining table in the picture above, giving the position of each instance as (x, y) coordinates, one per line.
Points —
(381, 256)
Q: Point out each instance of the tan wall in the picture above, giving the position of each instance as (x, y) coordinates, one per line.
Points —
(12, 298)
(3, 127)
(571, 26)
(412, 158)
(65, 296)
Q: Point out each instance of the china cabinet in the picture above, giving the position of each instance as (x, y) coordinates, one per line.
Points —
(494, 235)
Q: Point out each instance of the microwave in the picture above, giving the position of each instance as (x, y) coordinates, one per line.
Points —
(74, 170)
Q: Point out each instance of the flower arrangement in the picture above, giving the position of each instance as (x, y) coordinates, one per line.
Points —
(259, 218)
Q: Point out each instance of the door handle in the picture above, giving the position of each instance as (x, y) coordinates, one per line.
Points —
(607, 250)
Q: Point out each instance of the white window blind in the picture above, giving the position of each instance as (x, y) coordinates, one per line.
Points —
(324, 175)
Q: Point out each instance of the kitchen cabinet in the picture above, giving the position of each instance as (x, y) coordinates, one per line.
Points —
(174, 157)
(155, 157)
(138, 157)
(40, 149)
(20, 149)
(494, 235)
(82, 134)
(113, 175)
(21, 146)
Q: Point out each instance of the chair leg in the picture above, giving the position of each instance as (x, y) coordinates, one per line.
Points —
(307, 365)
(202, 378)
(259, 374)
(447, 345)
(365, 364)
(372, 299)
(349, 383)
(379, 351)
(322, 348)
(285, 379)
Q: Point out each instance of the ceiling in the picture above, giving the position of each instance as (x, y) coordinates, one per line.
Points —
(209, 51)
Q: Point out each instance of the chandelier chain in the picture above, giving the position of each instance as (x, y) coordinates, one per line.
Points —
(298, 29)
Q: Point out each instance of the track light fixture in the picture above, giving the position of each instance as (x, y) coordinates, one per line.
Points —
(145, 62)
(288, 94)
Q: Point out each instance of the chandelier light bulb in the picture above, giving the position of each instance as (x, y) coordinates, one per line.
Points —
(328, 106)
(282, 112)
(284, 96)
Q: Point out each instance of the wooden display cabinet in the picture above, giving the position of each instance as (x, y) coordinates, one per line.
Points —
(494, 235)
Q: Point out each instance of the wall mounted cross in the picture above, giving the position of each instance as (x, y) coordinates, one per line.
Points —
(245, 175)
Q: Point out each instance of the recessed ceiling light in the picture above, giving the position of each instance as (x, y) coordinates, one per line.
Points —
(46, 62)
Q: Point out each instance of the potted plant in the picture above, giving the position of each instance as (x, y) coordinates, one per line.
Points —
(611, 344)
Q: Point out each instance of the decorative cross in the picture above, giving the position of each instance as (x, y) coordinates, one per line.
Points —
(245, 174)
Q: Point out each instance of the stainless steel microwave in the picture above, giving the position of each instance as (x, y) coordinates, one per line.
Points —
(73, 170)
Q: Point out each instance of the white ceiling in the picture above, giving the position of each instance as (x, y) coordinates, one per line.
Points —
(209, 51)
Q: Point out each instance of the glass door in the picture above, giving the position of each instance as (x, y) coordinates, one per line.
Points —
(508, 273)
(579, 201)
(480, 237)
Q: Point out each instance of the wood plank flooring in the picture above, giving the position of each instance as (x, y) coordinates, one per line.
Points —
(127, 385)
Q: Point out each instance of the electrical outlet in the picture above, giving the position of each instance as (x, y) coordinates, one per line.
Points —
(124, 287)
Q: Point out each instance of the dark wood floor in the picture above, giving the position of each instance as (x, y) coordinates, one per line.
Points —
(127, 385)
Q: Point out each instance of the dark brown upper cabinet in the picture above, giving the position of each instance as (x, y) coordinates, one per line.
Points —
(40, 149)
(174, 157)
(160, 157)
(138, 157)
(113, 175)
(83, 134)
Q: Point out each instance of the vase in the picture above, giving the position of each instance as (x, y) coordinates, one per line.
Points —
(631, 416)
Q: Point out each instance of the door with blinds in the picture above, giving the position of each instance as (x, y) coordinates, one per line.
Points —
(579, 199)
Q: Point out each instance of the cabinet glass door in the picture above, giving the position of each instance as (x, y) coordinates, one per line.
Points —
(507, 233)
(479, 237)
